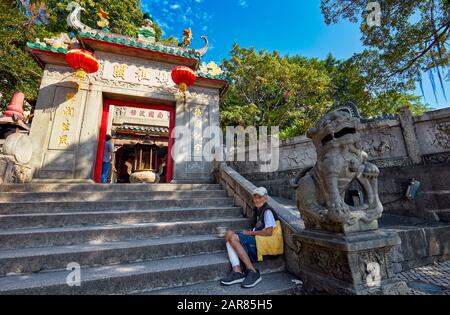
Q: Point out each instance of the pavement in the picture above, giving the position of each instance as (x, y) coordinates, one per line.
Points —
(432, 279)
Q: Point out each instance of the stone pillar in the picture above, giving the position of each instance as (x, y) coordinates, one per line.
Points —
(65, 126)
(181, 120)
(86, 153)
(200, 112)
(410, 136)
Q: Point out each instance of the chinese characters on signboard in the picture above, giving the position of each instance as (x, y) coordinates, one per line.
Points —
(120, 72)
(69, 113)
(198, 131)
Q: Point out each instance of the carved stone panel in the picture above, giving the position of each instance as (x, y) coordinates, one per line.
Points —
(198, 121)
(299, 156)
(326, 262)
(386, 143)
(66, 119)
(133, 70)
(435, 136)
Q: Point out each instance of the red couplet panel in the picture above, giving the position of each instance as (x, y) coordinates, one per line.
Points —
(104, 126)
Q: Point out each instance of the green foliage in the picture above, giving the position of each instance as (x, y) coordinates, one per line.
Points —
(18, 71)
(412, 38)
(270, 90)
(294, 92)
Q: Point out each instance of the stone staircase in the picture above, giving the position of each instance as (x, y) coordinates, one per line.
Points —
(128, 239)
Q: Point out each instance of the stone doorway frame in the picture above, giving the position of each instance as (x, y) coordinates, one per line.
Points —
(104, 126)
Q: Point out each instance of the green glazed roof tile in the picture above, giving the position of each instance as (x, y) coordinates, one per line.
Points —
(216, 77)
(135, 44)
(47, 48)
(132, 43)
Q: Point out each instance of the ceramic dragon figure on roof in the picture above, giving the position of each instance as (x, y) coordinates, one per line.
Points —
(187, 39)
(146, 34)
(201, 52)
(74, 18)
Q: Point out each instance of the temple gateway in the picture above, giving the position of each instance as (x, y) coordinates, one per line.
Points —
(372, 193)
(131, 97)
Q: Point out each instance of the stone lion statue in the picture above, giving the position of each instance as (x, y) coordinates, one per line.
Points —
(340, 162)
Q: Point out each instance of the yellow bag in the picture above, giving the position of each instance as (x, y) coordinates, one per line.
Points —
(270, 245)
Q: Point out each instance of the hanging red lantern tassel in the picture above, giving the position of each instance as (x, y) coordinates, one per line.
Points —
(83, 62)
(183, 77)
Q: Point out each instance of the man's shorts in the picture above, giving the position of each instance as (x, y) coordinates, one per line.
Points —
(249, 244)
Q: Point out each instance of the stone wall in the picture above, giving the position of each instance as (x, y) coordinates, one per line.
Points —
(402, 146)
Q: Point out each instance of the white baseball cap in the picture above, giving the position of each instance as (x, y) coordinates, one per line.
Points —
(261, 191)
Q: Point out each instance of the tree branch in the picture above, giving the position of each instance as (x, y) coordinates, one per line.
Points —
(423, 52)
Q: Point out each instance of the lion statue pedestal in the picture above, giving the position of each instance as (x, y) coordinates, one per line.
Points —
(342, 251)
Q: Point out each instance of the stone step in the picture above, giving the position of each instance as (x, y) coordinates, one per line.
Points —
(29, 260)
(117, 205)
(53, 220)
(25, 238)
(126, 278)
(274, 283)
(442, 215)
(82, 187)
(12, 197)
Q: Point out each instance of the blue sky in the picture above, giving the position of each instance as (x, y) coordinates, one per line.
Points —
(288, 26)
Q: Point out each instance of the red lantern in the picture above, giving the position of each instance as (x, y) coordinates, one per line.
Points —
(82, 61)
(183, 77)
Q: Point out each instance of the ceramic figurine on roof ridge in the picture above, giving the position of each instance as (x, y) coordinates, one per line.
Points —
(187, 37)
(60, 41)
(210, 69)
(103, 23)
(146, 33)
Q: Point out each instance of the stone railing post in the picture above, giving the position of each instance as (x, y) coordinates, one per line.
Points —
(409, 134)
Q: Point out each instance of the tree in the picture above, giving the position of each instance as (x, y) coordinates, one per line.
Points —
(294, 92)
(18, 71)
(270, 90)
(412, 38)
(351, 84)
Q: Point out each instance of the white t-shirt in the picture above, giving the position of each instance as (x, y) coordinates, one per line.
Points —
(269, 220)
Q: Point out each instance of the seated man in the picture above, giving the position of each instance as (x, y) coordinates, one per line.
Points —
(242, 246)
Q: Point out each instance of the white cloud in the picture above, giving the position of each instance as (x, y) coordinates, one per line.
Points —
(175, 15)
(243, 3)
